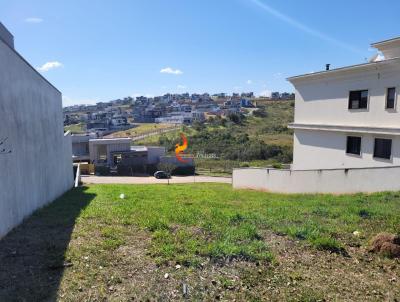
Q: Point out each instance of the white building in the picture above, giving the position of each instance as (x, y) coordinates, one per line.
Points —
(346, 131)
(349, 117)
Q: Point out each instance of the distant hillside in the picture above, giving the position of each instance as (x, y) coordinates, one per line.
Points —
(262, 134)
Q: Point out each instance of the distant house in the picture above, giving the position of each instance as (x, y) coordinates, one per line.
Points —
(119, 121)
(80, 147)
(349, 117)
(249, 95)
(115, 152)
(246, 103)
(176, 118)
(275, 95)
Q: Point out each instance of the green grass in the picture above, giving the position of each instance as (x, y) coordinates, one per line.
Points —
(270, 129)
(141, 129)
(76, 128)
(192, 222)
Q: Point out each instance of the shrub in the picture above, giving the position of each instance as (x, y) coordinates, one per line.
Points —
(101, 170)
(260, 113)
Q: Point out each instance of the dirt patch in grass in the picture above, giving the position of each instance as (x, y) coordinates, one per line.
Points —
(300, 272)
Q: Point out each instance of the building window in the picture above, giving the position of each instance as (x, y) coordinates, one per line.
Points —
(390, 98)
(353, 145)
(383, 148)
(358, 99)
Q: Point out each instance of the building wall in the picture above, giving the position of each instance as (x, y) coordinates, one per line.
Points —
(39, 169)
(318, 181)
(6, 36)
(327, 150)
(325, 100)
(154, 154)
(118, 145)
(80, 148)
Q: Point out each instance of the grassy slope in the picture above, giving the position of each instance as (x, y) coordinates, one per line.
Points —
(279, 114)
(76, 128)
(140, 129)
(116, 244)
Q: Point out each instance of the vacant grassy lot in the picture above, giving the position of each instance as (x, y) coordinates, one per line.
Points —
(201, 242)
(141, 129)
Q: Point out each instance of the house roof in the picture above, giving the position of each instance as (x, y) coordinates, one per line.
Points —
(343, 69)
(389, 48)
(122, 140)
(397, 39)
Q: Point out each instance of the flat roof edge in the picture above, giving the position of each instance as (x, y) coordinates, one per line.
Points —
(385, 41)
(340, 69)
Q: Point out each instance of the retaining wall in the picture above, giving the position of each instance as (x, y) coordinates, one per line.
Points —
(335, 181)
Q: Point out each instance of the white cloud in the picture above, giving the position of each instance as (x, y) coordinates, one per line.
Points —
(181, 87)
(237, 88)
(50, 65)
(34, 20)
(249, 82)
(278, 75)
(170, 70)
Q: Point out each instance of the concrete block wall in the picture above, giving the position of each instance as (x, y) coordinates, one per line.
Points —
(39, 167)
(336, 181)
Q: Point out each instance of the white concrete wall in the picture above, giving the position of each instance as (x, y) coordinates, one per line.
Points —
(324, 100)
(337, 181)
(327, 150)
(39, 169)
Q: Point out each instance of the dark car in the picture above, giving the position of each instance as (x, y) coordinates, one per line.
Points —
(162, 175)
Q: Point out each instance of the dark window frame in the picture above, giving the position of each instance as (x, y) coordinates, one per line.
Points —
(393, 104)
(357, 96)
(350, 149)
(384, 154)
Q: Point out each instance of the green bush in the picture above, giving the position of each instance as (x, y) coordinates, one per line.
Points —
(101, 170)
(184, 170)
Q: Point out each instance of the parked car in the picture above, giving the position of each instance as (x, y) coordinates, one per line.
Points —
(162, 175)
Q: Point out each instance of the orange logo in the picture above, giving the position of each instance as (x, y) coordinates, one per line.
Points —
(180, 148)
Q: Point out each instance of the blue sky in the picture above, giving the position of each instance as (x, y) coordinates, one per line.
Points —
(103, 50)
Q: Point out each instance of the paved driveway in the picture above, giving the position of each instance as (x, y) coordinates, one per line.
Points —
(151, 180)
